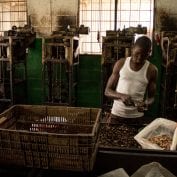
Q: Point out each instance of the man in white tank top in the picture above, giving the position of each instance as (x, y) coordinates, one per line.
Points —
(132, 84)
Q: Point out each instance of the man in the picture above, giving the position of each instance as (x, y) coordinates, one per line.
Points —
(132, 84)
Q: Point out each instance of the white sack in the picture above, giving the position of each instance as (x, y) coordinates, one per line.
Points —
(153, 169)
(120, 172)
(159, 126)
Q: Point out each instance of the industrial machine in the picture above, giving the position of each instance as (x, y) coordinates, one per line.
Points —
(13, 51)
(60, 59)
(169, 73)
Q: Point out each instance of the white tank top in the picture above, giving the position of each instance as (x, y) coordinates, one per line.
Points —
(133, 83)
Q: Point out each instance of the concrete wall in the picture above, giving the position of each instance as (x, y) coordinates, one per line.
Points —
(44, 14)
(165, 15)
(169, 5)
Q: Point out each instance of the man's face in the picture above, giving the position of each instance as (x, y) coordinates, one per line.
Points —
(139, 55)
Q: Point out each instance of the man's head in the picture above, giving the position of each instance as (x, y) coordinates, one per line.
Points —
(141, 50)
(144, 42)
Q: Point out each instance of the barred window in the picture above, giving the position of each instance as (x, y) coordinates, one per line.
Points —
(102, 15)
(12, 13)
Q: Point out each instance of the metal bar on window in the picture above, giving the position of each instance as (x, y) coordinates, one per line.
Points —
(139, 10)
(115, 24)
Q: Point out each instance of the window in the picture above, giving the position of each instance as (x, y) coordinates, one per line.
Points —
(12, 13)
(103, 15)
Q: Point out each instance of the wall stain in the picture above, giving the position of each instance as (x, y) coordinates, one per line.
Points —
(59, 19)
(165, 21)
(45, 21)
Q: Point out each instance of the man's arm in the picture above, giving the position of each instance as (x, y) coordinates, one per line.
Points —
(151, 88)
(110, 90)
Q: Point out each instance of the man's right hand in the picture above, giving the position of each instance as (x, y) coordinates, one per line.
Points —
(127, 100)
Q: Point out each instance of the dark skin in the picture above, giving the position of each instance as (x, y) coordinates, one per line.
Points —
(138, 58)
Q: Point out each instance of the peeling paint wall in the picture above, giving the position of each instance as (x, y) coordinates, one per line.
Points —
(44, 14)
(166, 15)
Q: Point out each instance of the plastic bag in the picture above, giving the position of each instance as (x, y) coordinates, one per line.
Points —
(158, 128)
(153, 169)
(120, 172)
(174, 142)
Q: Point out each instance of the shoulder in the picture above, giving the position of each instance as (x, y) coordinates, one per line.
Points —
(119, 63)
(152, 71)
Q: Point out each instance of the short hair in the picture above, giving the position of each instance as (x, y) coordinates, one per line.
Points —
(144, 42)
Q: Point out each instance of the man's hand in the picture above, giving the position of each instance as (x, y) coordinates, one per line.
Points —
(141, 106)
(127, 100)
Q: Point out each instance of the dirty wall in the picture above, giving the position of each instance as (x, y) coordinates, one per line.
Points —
(46, 16)
(165, 15)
